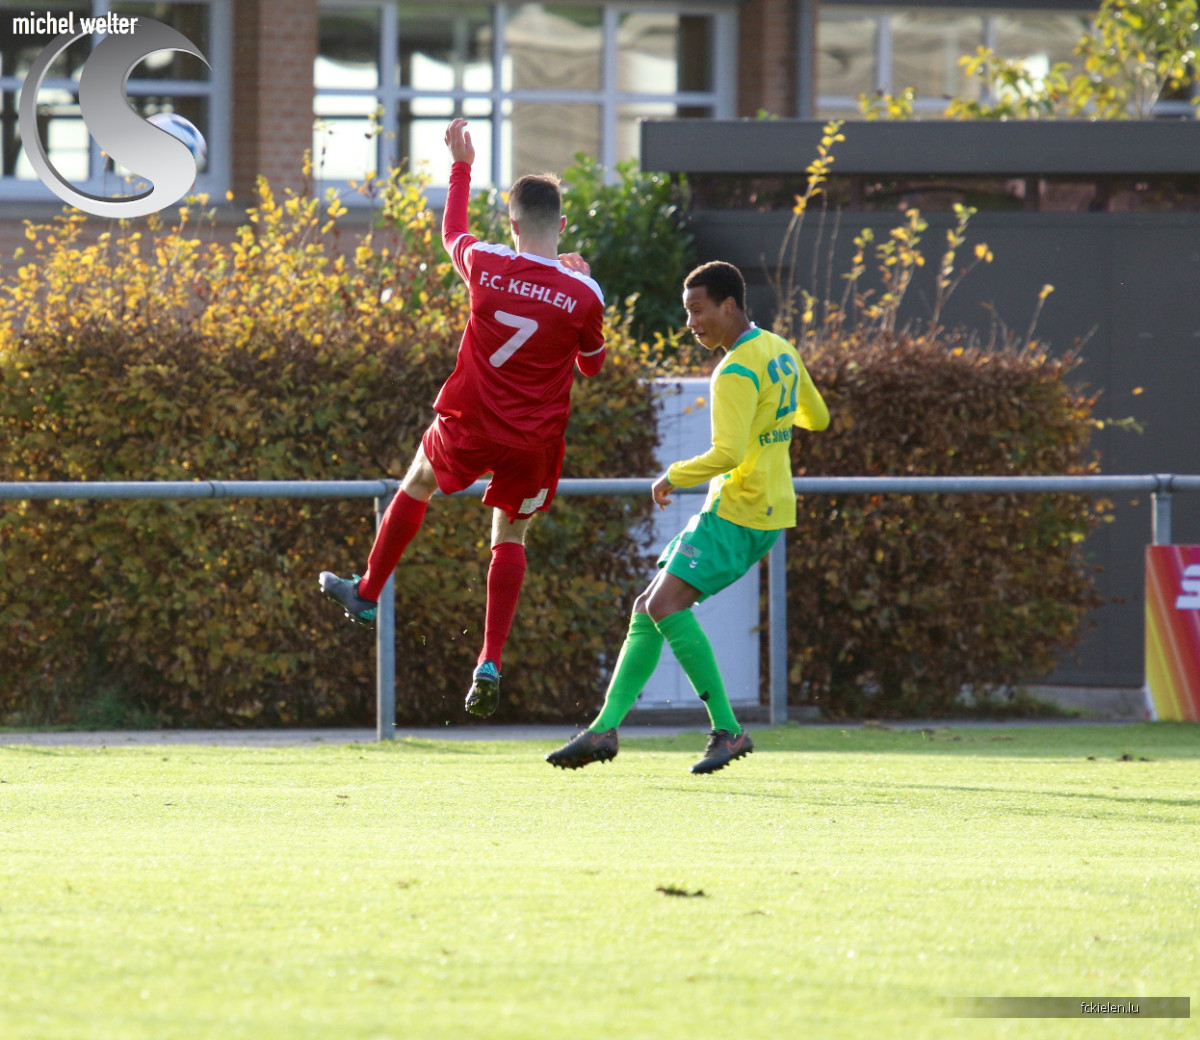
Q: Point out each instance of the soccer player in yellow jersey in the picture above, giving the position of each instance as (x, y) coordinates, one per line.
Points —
(760, 391)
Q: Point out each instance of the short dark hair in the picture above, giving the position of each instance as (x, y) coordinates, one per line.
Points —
(536, 201)
(720, 280)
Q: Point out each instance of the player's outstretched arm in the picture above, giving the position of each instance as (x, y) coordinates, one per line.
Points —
(734, 403)
(456, 236)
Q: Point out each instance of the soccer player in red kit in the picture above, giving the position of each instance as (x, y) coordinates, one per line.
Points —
(535, 317)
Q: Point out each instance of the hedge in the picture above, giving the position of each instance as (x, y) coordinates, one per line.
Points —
(899, 603)
(161, 354)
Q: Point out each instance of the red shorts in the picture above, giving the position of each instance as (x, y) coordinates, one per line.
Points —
(523, 479)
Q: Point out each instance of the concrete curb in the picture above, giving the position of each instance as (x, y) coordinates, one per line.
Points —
(269, 738)
(275, 738)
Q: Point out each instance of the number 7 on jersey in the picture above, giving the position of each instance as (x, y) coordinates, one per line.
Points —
(525, 327)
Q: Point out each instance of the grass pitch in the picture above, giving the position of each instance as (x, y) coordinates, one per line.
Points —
(837, 883)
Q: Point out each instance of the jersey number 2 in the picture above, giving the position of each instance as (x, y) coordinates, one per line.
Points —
(525, 327)
(778, 369)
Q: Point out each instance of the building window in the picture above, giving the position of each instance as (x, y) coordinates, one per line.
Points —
(167, 81)
(538, 82)
(864, 48)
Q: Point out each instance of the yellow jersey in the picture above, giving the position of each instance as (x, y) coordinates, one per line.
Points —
(759, 391)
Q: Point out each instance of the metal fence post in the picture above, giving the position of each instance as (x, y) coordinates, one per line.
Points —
(777, 628)
(1160, 533)
(385, 648)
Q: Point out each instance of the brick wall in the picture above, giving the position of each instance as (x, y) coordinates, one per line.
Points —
(274, 47)
(766, 57)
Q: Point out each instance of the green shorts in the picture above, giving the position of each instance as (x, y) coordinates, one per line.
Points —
(711, 553)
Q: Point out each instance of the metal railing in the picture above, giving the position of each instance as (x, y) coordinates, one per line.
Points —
(1159, 486)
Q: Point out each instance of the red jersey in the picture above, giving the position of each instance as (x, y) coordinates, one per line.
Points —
(532, 321)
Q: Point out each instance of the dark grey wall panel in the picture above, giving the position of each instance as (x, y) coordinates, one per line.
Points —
(941, 147)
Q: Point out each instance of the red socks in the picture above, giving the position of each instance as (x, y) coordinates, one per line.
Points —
(505, 576)
(401, 522)
(506, 573)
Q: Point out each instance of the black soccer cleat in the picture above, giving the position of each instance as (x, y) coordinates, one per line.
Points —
(345, 594)
(585, 748)
(483, 698)
(723, 747)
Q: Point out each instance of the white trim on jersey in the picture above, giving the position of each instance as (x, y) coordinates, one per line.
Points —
(578, 275)
(497, 249)
(493, 247)
(589, 282)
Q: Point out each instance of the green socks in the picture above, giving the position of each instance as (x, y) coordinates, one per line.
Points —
(695, 654)
(635, 664)
(639, 657)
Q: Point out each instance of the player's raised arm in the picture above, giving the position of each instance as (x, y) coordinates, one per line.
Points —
(456, 236)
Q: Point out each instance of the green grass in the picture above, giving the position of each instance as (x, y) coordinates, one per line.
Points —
(855, 883)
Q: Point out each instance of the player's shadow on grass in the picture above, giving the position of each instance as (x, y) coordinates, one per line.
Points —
(33, 749)
(1138, 800)
(725, 792)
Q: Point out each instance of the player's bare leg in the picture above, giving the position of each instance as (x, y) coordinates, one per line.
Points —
(665, 595)
(420, 481)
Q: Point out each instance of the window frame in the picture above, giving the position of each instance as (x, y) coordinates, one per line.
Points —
(931, 107)
(389, 94)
